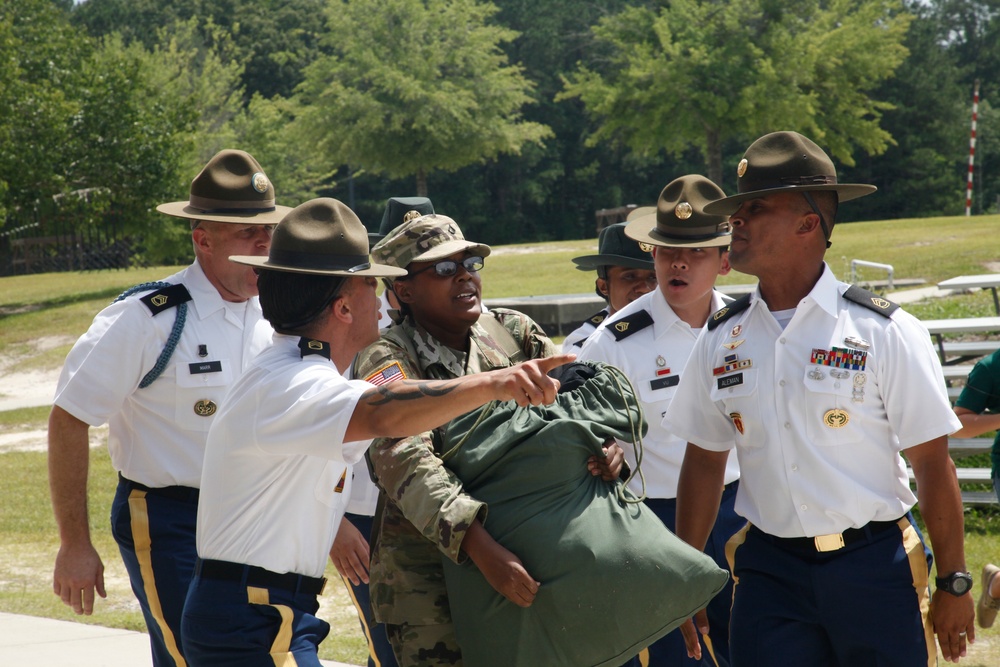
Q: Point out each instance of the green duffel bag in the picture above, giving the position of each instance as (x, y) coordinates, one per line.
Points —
(613, 578)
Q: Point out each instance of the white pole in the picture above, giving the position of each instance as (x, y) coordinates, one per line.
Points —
(972, 150)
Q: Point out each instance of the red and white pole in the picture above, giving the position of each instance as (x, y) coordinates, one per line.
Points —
(972, 150)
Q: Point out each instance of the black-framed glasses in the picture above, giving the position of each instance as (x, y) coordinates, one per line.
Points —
(449, 267)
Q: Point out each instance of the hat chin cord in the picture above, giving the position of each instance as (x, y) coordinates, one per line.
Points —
(822, 220)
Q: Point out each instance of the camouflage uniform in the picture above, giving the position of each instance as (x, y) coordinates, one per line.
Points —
(424, 511)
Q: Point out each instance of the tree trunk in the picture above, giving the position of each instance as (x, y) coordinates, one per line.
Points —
(713, 157)
(421, 182)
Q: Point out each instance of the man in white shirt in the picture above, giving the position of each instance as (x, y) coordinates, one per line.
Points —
(155, 366)
(650, 340)
(821, 386)
(275, 477)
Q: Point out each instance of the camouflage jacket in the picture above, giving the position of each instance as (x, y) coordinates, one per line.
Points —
(424, 511)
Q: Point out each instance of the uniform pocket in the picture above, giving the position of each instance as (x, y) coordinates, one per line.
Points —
(834, 397)
(738, 395)
(200, 387)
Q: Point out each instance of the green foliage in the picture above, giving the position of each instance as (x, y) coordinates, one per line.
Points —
(426, 87)
(702, 72)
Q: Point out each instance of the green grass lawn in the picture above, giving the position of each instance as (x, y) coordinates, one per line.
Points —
(41, 316)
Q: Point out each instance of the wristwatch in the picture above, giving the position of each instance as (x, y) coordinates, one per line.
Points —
(956, 583)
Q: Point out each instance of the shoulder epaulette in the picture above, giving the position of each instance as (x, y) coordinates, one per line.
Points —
(598, 317)
(870, 300)
(728, 311)
(630, 324)
(166, 298)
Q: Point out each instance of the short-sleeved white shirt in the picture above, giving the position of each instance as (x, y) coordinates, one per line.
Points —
(818, 444)
(156, 436)
(276, 481)
(577, 337)
(653, 359)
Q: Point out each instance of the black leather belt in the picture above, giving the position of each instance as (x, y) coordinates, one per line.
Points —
(832, 542)
(185, 494)
(260, 577)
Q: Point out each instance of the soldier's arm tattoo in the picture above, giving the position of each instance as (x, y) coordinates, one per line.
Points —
(407, 391)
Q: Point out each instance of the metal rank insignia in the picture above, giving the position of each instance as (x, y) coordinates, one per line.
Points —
(621, 326)
(836, 418)
(858, 390)
(205, 407)
(159, 300)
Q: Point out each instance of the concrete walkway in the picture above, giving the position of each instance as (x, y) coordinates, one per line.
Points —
(27, 640)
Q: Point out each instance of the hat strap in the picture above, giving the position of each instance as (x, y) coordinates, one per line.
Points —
(318, 261)
(822, 220)
(208, 205)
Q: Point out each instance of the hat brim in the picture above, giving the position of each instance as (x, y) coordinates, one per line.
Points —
(845, 192)
(449, 248)
(182, 209)
(375, 270)
(643, 230)
(592, 262)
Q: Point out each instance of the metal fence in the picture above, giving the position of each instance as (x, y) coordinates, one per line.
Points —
(37, 242)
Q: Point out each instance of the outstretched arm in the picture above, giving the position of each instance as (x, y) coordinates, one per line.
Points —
(406, 407)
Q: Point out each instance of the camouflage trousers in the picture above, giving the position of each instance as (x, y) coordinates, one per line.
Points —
(424, 645)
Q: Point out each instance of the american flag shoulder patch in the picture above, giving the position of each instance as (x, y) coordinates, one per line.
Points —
(386, 374)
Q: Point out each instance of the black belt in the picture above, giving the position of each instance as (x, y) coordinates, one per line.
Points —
(258, 576)
(184, 494)
(833, 542)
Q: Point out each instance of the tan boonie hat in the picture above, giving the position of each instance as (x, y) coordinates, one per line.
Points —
(232, 187)
(424, 239)
(321, 237)
(785, 162)
(679, 219)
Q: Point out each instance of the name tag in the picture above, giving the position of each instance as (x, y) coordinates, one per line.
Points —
(205, 367)
(730, 381)
(663, 383)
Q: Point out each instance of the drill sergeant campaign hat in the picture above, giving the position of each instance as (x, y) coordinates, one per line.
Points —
(425, 239)
(232, 187)
(397, 211)
(679, 219)
(614, 248)
(320, 237)
(785, 162)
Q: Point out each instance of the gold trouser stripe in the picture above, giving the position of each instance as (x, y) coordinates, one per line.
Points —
(142, 543)
(918, 568)
(711, 649)
(281, 646)
(364, 622)
(644, 657)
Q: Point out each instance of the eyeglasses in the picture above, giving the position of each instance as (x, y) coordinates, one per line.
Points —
(449, 267)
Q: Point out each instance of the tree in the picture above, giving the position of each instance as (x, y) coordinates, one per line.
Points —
(425, 87)
(705, 72)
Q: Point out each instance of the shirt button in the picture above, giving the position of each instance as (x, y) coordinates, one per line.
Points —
(794, 468)
(803, 507)
(781, 383)
(788, 425)
(781, 340)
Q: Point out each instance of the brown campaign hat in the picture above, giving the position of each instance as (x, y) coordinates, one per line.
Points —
(321, 237)
(785, 162)
(614, 248)
(679, 219)
(232, 187)
(397, 211)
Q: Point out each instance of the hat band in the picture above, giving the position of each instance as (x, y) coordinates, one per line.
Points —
(787, 181)
(208, 205)
(318, 261)
(695, 233)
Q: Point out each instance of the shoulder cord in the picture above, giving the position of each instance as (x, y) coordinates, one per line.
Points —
(175, 332)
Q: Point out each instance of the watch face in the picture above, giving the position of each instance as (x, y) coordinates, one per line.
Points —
(959, 585)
